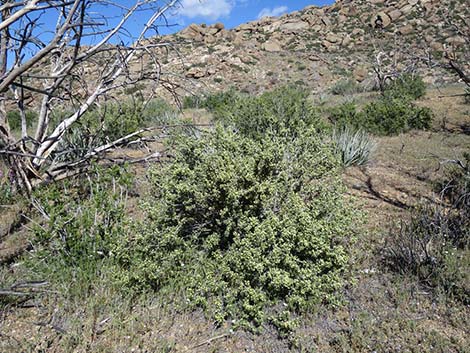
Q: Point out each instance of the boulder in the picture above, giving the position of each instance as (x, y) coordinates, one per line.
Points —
(238, 40)
(395, 14)
(250, 27)
(333, 38)
(329, 45)
(406, 9)
(210, 39)
(294, 27)
(357, 31)
(346, 41)
(196, 72)
(193, 32)
(220, 26)
(326, 21)
(437, 46)
(360, 73)
(456, 40)
(272, 46)
(407, 29)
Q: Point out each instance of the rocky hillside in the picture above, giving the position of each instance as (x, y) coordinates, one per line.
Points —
(318, 46)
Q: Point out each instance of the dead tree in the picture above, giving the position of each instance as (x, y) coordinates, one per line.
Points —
(73, 53)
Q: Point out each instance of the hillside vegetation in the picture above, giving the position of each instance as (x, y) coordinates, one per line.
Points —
(306, 214)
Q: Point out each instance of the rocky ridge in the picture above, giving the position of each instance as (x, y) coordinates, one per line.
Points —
(317, 46)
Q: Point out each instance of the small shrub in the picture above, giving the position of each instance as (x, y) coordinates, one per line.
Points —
(345, 87)
(248, 227)
(283, 111)
(219, 102)
(433, 245)
(156, 112)
(7, 195)
(410, 85)
(14, 119)
(385, 116)
(390, 116)
(456, 185)
(85, 221)
(110, 122)
(347, 114)
(191, 102)
(355, 147)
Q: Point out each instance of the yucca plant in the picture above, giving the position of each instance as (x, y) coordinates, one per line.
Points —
(354, 146)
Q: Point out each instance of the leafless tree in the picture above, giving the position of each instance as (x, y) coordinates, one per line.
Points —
(73, 53)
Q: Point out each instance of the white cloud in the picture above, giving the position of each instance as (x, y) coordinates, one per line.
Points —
(210, 9)
(277, 11)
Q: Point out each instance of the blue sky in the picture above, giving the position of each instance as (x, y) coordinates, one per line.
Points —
(234, 12)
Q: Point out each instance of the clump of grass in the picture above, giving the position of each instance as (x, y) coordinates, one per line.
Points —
(346, 87)
(14, 119)
(355, 147)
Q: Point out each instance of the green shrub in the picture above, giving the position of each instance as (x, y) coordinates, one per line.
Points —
(110, 122)
(85, 221)
(191, 102)
(7, 195)
(355, 147)
(347, 114)
(384, 116)
(218, 103)
(410, 85)
(158, 112)
(14, 119)
(390, 116)
(283, 111)
(244, 226)
(345, 87)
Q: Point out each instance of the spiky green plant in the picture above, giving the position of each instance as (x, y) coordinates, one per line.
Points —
(354, 146)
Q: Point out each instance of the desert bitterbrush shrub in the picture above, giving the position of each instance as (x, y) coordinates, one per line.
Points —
(411, 85)
(391, 116)
(247, 227)
(384, 116)
(283, 111)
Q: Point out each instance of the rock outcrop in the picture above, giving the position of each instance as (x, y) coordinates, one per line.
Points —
(318, 45)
